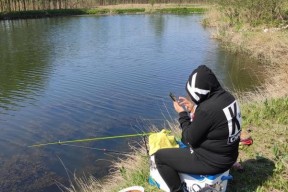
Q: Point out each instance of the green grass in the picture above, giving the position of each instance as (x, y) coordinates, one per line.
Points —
(266, 161)
(180, 10)
(136, 177)
(265, 113)
(128, 11)
(97, 11)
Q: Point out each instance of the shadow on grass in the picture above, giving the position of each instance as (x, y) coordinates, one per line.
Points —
(257, 171)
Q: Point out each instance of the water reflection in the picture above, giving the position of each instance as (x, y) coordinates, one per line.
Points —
(240, 71)
(24, 68)
(236, 72)
(78, 77)
(158, 24)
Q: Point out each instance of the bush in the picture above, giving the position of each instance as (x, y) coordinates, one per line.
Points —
(254, 12)
(184, 10)
(97, 11)
(129, 11)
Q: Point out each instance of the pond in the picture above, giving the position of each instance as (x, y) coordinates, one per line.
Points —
(95, 76)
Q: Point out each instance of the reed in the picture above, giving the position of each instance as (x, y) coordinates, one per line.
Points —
(253, 12)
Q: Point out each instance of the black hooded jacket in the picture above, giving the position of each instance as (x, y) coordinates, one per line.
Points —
(214, 133)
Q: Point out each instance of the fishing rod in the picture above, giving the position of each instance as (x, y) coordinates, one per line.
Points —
(89, 139)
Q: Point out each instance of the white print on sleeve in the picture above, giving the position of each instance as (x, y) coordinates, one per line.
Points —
(234, 119)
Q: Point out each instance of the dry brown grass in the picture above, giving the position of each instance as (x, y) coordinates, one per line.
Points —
(269, 46)
(272, 50)
(275, 86)
(132, 163)
(120, 172)
(212, 17)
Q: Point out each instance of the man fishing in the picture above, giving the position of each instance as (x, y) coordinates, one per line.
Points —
(212, 136)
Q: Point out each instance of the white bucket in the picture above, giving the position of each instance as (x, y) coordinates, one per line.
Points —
(193, 182)
(133, 189)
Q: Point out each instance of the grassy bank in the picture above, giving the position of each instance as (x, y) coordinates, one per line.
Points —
(105, 10)
(265, 162)
(261, 32)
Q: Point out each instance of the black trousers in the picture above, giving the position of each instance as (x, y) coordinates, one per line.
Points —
(173, 160)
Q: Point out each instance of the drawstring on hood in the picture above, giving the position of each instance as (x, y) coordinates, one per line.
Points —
(202, 83)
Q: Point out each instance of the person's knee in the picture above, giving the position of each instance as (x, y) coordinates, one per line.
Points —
(159, 156)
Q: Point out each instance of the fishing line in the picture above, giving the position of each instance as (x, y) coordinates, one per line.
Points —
(95, 148)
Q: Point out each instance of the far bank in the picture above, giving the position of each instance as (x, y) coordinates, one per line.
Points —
(107, 10)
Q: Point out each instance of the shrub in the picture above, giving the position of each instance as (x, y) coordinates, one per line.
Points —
(254, 12)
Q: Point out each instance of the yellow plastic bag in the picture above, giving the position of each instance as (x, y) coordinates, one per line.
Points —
(161, 140)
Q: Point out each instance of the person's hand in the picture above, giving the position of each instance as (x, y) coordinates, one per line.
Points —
(178, 108)
(188, 104)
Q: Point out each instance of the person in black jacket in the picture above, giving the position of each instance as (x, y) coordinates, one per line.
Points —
(212, 136)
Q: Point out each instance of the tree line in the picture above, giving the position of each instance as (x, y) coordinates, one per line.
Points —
(25, 5)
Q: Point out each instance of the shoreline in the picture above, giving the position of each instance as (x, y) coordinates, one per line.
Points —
(107, 10)
(265, 43)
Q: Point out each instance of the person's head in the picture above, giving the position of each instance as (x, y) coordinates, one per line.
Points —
(201, 84)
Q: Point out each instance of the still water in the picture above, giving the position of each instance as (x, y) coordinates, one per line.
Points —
(79, 77)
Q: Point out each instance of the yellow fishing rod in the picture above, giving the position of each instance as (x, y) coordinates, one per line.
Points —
(90, 139)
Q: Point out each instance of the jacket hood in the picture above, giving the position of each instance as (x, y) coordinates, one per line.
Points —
(202, 84)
